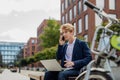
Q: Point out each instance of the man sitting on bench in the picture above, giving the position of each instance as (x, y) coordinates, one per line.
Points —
(72, 52)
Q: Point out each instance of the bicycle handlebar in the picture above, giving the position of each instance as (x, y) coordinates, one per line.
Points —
(90, 5)
(101, 12)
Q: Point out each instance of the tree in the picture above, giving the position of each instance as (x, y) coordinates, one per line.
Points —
(23, 62)
(30, 60)
(50, 35)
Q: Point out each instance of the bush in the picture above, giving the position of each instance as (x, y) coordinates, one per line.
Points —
(48, 53)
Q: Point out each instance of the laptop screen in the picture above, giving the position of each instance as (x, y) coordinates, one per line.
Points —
(51, 65)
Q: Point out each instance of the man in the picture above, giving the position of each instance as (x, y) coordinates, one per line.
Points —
(72, 53)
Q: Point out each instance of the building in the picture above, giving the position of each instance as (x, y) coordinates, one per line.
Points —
(83, 18)
(9, 52)
(25, 51)
(30, 48)
(40, 31)
(0, 59)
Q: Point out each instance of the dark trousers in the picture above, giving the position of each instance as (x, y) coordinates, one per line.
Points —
(62, 75)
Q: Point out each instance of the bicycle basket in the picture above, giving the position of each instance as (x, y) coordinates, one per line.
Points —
(115, 41)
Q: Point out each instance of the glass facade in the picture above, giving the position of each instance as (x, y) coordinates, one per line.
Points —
(9, 51)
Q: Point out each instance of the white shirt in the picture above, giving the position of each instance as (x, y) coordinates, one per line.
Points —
(69, 51)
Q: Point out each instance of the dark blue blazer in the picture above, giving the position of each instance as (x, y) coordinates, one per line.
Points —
(81, 54)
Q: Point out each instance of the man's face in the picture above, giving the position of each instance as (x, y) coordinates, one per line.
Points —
(67, 35)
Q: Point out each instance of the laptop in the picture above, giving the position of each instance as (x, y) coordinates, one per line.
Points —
(52, 65)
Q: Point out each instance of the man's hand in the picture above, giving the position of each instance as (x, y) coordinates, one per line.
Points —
(68, 64)
(61, 42)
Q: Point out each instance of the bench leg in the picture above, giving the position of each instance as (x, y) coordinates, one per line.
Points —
(41, 77)
(32, 79)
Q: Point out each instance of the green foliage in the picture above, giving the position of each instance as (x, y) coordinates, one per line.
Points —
(80, 37)
(30, 60)
(16, 63)
(114, 27)
(48, 53)
(23, 62)
(50, 36)
(98, 35)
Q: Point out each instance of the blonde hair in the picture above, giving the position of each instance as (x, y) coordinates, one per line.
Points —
(68, 27)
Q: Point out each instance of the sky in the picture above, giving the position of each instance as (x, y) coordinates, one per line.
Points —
(19, 19)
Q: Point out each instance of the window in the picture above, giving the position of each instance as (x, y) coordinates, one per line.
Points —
(86, 22)
(98, 20)
(63, 20)
(84, 6)
(66, 17)
(73, 0)
(111, 4)
(74, 28)
(62, 7)
(112, 15)
(79, 25)
(69, 2)
(74, 11)
(79, 7)
(66, 4)
(33, 48)
(86, 38)
(32, 53)
(70, 14)
(33, 41)
(2, 52)
(100, 3)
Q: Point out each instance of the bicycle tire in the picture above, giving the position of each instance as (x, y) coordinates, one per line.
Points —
(97, 75)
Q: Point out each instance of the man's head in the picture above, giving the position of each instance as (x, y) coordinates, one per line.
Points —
(67, 27)
(67, 30)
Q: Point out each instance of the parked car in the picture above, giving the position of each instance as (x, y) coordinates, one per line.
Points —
(13, 69)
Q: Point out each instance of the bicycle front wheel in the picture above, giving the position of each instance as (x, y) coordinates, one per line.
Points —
(96, 75)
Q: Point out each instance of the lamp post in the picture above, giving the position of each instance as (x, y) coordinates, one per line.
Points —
(19, 65)
(19, 58)
(0, 59)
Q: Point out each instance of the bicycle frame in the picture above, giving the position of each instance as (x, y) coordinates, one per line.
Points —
(95, 64)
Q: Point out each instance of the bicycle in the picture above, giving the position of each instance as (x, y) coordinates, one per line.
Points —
(100, 69)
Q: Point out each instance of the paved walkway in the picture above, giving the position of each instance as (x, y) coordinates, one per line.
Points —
(116, 72)
(26, 72)
(8, 75)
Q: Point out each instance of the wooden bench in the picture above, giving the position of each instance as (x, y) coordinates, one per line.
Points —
(36, 76)
(41, 77)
